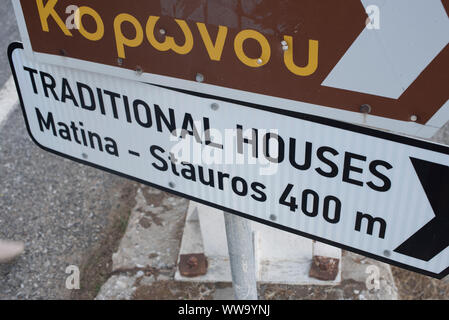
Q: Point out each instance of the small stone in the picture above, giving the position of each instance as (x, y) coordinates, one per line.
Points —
(121, 284)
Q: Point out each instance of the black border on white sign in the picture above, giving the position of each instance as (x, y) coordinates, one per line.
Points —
(316, 119)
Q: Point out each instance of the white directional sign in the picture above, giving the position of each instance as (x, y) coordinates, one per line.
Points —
(378, 194)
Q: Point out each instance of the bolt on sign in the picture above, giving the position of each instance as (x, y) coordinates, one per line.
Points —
(359, 61)
(364, 190)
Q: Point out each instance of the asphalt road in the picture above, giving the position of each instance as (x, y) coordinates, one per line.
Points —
(8, 34)
(58, 208)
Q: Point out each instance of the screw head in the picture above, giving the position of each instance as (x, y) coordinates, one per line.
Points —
(162, 31)
(171, 185)
(215, 106)
(259, 61)
(120, 61)
(139, 70)
(387, 253)
(199, 77)
(85, 156)
(365, 108)
(273, 217)
(414, 118)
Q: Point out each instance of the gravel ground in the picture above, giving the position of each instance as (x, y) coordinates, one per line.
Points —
(8, 33)
(412, 286)
(58, 208)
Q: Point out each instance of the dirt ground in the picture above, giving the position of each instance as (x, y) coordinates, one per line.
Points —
(413, 286)
(97, 269)
(97, 266)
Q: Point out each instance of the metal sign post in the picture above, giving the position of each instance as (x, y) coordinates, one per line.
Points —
(241, 256)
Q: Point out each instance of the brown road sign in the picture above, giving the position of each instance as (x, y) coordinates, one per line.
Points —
(317, 52)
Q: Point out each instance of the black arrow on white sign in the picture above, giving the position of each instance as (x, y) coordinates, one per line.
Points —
(432, 238)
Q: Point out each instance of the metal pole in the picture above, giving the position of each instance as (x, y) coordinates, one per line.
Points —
(241, 255)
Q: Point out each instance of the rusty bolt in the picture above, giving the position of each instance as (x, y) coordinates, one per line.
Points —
(192, 265)
(192, 262)
(324, 268)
